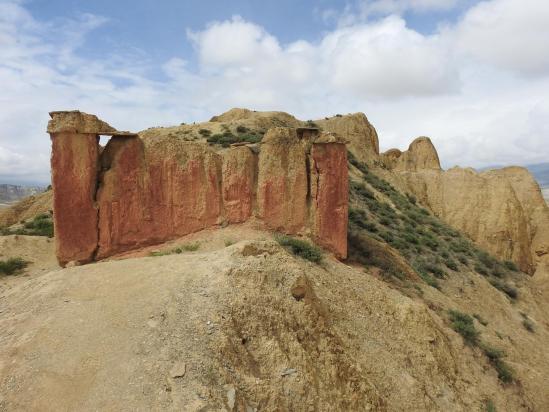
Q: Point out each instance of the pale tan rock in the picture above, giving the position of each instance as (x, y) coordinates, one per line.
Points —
(360, 135)
(76, 121)
(27, 208)
(282, 181)
(501, 210)
(421, 155)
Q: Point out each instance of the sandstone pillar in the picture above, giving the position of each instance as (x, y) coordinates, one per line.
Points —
(238, 184)
(330, 196)
(74, 168)
(282, 181)
(74, 179)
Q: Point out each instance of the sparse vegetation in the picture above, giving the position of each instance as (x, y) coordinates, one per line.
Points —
(527, 323)
(505, 288)
(227, 138)
(489, 406)
(12, 266)
(370, 253)
(495, 356)
(301, 248)
(228, 242)
(480, 319)
(41, 225)
(464, 325)
(430, 246)
(187, 247)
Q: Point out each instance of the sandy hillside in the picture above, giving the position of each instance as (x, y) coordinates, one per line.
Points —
(252, 327)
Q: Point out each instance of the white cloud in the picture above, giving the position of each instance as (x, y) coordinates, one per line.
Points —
(234, 43)
(512, 34)
(469, 100)
(386, 59)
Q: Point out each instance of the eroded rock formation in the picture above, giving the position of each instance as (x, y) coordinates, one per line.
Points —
(137, 192)
(502, 210)
(358, 132)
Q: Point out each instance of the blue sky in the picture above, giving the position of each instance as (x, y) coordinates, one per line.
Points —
(474, 76)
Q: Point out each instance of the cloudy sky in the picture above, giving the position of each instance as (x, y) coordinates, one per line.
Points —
(474, 76)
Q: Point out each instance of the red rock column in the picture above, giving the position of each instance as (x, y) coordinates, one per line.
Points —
(238, 175)
(74, 164)
(330, 196)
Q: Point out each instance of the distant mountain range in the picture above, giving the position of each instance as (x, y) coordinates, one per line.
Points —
(12, 193)
(541, 173)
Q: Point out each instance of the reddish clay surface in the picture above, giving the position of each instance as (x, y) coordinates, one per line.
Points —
(74, 179)
(330, 196)
(146, 202)
(238, 184)
(148, 194)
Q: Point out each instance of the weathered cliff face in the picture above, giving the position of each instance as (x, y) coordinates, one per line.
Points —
(421, 155)
(74, 177)
(330, 195)
(501, 210)
(360, 135)
(139, 192)
(283, 180)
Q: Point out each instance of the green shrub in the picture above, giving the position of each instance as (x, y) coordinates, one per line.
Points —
(510, 266)
(385, 221)
(12, 266)
(361, 190)
(481, 269)
(495, 356)
(251, 138)
(451, 264)
(191, 247)
(497, 271)
(241, 129)
(387, 237)
(528, 325)
(480, 319)
(489, 406)
(463, 260)
(357, 217)
(205, 132)
(431, 281)
(505, 288)
(41, 225)
(411, 198)
(434, 269)
(431, 243)
(370, 227)
(464, 325)
(410, 238)
(487, 260)
(301, 248)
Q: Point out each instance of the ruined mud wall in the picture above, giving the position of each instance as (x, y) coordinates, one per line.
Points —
(134, 193)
